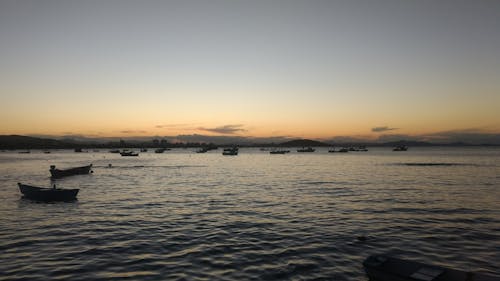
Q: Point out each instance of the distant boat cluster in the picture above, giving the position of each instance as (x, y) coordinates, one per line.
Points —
(59, 194)
(233, 150)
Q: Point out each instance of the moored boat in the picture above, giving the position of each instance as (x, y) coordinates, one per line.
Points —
(58, 173)
(342, 150)
(279, 151)
(385, 268)
(129, 153)
(308, 149)
(47, 194)
(202, 150)
(233, 151)
(400, 148)
(161, 150)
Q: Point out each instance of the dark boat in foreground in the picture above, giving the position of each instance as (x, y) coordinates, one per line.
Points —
(57, 173)
(47, 194)
(385, 268)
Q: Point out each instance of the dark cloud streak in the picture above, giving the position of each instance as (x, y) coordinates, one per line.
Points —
(383, 129)
(225, 130)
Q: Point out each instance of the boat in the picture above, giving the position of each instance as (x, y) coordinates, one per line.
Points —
(161, 150)
(342, 150)
(400, 148)
(47, 194)
(24, 152)
(78, 150)
(202, 150)
(362, 148)
(46, 152)
(144, 150)
(386, 268)
(308, 149)
(279, 151)
(57, 173)
(233, 151)
(129, 153)
(114, 151)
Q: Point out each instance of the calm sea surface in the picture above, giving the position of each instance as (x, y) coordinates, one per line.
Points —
(255, 216)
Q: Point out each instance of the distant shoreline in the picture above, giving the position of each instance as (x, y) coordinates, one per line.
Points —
(16, 142)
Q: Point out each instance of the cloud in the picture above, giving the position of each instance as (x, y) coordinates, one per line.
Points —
(169, 126)
(133, 132)
(225, 130)
(383, 129)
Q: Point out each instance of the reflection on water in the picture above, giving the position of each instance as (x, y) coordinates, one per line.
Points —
(185, 216)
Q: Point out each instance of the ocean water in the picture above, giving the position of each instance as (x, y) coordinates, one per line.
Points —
(255, 216)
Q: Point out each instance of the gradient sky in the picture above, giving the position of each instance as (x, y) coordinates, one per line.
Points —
(312, 69)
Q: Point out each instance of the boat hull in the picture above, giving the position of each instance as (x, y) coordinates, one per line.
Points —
(47, 194)
(57, 173)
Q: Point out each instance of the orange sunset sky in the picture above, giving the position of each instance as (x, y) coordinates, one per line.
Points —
(315, 69)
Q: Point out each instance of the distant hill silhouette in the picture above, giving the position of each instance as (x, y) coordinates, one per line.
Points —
(23, 142)
(303, 142)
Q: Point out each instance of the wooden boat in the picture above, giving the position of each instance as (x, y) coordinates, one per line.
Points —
(400, 148)
(57, 173)
(385, 268)
(128, 153)
(230, 151)
(202, 150)
(279, 151)
(342, 150)
(308, 149)
(47, 194)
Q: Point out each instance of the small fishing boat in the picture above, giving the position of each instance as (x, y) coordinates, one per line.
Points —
(129, 153)
(233, 151)
(279, 151)
(342, 150)
(114, 151)
(47, 194)
(202, 150)
(385, 268)
(24, 152)
(308, 149)
(400, 148)
(161, 150)
(144, 150)
(58, 173)
(362, 148)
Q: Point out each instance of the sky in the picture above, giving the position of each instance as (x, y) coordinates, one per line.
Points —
(313, 69)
